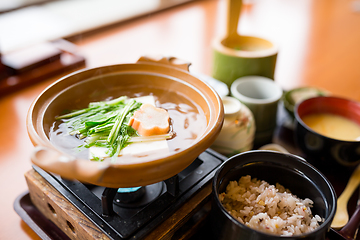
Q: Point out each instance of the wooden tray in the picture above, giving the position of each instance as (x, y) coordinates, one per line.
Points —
(39, 63)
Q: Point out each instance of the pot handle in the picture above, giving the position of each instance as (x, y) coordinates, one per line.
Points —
(172, 61)
(67, 166)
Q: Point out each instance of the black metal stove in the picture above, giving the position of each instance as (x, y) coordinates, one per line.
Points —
(124, 215)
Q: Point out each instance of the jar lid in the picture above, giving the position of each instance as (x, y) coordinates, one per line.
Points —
(231, 106)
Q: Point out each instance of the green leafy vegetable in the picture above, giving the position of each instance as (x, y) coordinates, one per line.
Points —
(104, 124)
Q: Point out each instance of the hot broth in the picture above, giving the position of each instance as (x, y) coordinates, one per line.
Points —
(188, 122)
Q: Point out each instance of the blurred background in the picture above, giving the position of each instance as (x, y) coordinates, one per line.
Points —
(25, 22)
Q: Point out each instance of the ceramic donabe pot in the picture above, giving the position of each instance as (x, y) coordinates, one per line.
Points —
(165, 78)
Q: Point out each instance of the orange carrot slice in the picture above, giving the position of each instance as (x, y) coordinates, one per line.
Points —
(149, 120)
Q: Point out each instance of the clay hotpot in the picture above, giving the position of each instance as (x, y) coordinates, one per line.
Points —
(75, 91)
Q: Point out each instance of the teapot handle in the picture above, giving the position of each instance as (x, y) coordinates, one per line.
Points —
(172, 61)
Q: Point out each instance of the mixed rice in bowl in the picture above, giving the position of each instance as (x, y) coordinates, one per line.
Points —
(269, 208)
(266, 195)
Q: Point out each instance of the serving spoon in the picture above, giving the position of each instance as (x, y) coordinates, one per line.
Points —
(341, 215)
(233, 14)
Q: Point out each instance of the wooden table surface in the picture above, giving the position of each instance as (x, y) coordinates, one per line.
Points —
(319, 44)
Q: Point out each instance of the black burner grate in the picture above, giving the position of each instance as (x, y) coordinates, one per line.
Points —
(119, 222)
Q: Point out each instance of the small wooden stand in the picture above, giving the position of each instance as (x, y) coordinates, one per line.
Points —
(181, 225)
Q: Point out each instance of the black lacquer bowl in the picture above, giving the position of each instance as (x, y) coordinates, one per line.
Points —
(324, 152)
(291, 171)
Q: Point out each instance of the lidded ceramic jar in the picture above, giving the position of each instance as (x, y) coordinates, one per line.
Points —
(238, 131)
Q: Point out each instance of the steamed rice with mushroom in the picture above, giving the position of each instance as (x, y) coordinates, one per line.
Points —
(268, 208)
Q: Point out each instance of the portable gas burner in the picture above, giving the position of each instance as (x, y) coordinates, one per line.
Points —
(172, 208)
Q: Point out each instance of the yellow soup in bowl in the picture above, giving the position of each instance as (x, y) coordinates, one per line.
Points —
(333, 126)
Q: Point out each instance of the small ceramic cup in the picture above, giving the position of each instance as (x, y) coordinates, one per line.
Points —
(244, 56)
(261, 95)
(238, 131)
